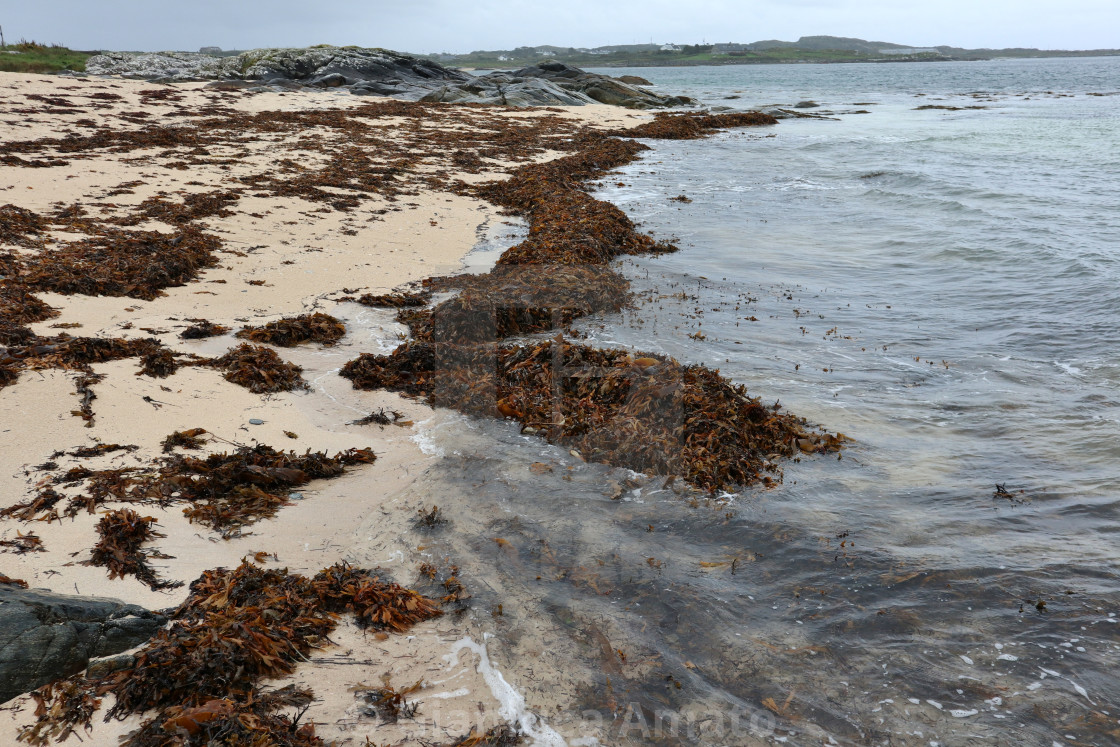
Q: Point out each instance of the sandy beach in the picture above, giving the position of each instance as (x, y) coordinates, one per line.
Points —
(280, 256)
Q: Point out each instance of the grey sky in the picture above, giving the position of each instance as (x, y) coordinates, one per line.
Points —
(457, 26)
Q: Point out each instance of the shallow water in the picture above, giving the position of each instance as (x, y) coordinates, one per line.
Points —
(941, 286)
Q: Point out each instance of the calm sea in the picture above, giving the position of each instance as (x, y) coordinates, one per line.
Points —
(942, 286)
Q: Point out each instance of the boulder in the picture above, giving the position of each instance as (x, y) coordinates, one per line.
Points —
(634, 80)
(46, 636)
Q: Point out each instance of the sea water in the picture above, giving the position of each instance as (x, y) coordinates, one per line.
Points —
(941, 285)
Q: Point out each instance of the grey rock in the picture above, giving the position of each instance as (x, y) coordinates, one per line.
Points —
(46, 636)
(580, 86)
(330, 80)
(806, 105)
(634, 80)
(380, 72)
(109, 664)
(256, 421)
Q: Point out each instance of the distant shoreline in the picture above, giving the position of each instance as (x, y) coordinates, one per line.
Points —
(745, 62)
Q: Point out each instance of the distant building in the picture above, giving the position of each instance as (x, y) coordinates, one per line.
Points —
(729, 48)
(210, 50)
(909, 50)
(670, 48)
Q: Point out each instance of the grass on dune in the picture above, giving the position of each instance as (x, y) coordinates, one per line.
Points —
(32, 57)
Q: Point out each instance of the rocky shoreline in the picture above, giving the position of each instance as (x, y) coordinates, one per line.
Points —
(380, 72)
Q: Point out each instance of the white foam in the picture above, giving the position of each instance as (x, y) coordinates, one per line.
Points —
(512, 707)
(453, 694)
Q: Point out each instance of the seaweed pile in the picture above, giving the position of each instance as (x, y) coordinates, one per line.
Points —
(137, 264)
(201, 675)
(394, 300)
(288, 332)
(122, 533)
(230, 490)
(258, 369)
(667, 126)
(638, 411)
(202, 328)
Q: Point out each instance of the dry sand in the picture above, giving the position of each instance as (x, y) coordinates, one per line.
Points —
(305, 258)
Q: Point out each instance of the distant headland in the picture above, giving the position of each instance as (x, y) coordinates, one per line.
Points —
(807, 49)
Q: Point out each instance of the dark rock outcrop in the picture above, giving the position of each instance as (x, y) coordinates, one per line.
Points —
(46, 636)
(634, 80)
(581, 86)
(380, 72)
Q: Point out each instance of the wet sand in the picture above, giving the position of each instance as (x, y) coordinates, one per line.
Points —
(285, 256)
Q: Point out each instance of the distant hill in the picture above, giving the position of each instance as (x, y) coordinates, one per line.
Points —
(821, 48)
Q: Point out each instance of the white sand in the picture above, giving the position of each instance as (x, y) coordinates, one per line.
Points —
(304, 258)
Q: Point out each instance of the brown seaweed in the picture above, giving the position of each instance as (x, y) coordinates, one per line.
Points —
(395, 300)
(292, 331)
(258, 369)
(200, 674)
(122, 533)
(23, 543)
(502, 735)
(18, 225)
(631, 410)
(188, 439)
(666, 126)
(138, 264)
(388, 703)
(202, 328)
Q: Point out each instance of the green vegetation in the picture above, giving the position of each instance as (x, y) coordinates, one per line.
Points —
(31, 57)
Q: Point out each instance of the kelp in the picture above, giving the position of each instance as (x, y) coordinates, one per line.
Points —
(522, 299)
(224, 491)
(640, 411)
(9, 581)
(159, 364)
(395, 300)
(200, 674)
(18, 306)
(253, 721)
(41, 507)
(18, 225)
(202, 328)
(258, 369)
(666, 126)
(95, 450)
(78, 353)
(137, 264)
(388, 703)
(188, 439)
(502, 735)
(230, 490)
(318, 327)
(122, 533)
(23, 543)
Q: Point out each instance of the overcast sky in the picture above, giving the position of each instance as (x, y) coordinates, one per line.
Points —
(458, 26)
